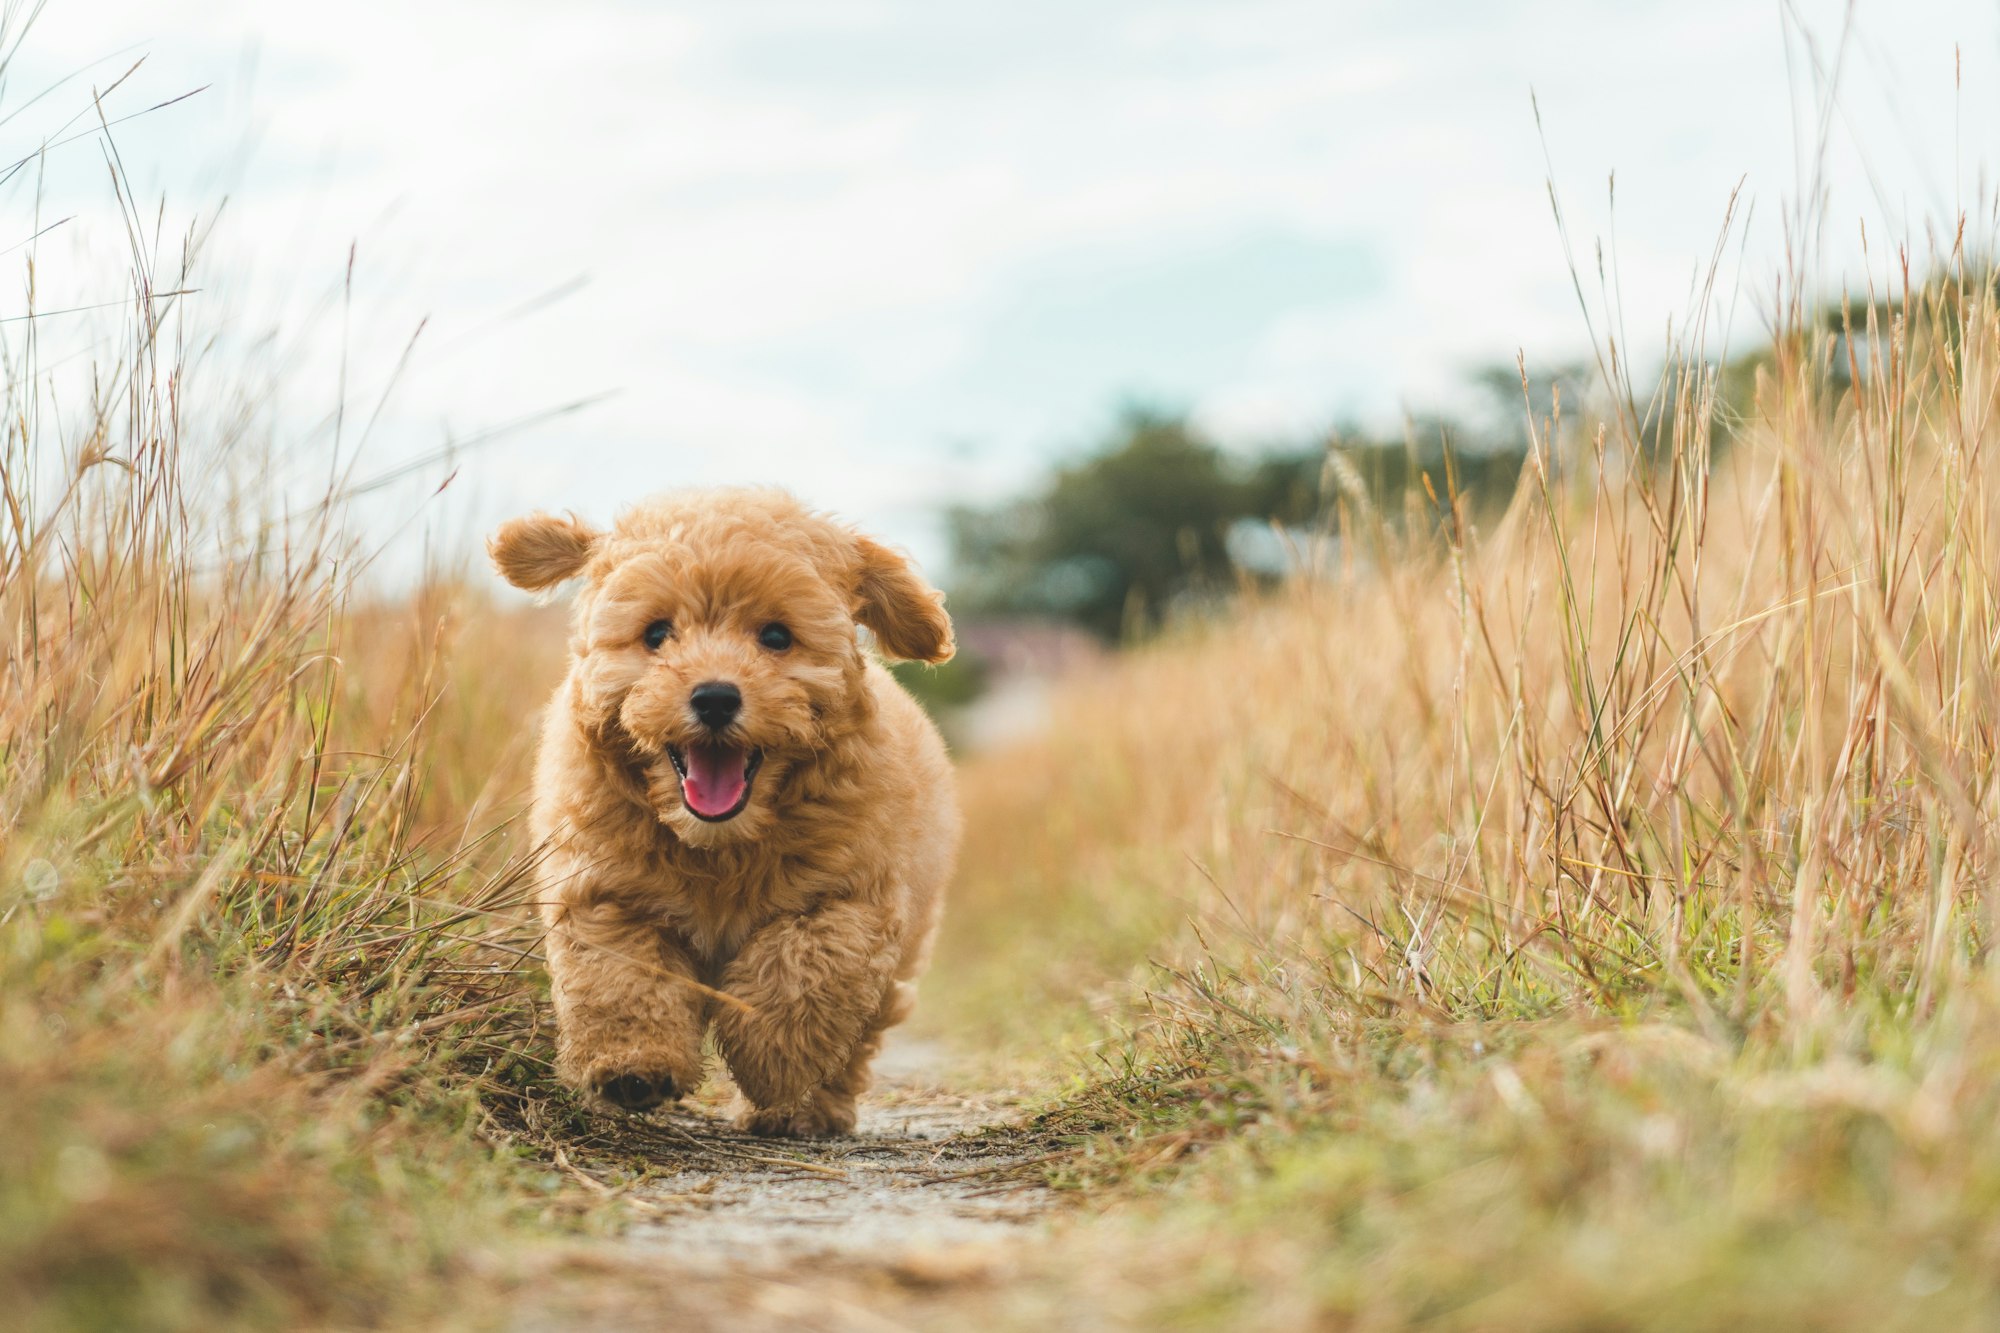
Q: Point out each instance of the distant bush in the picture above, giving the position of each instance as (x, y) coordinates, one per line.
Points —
(948, 685)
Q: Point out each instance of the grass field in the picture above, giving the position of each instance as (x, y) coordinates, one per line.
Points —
(1571, 912)
(1576, 916)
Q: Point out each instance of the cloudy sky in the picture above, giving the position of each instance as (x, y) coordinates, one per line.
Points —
(897, 253)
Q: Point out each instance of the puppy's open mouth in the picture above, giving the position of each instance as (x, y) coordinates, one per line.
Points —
(715, 779)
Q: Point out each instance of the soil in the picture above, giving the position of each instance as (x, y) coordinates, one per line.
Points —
(925, 1206)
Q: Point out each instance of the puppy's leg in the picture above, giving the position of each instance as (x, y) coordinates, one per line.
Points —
(628, 1026)
(830, 1108)
(813, 989)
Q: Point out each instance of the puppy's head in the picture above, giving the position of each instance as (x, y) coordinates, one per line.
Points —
(714, 650)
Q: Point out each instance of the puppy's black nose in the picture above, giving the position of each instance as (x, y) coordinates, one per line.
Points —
(716, 703)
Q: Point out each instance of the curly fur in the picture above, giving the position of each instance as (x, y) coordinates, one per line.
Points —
(797, 928)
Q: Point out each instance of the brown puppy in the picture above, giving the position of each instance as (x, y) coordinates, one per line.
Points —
(748, 821)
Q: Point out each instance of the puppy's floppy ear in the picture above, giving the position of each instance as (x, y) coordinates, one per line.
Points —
(541, 550)
(905, 613)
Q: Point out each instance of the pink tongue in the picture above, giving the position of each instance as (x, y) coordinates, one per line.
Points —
(715, 778)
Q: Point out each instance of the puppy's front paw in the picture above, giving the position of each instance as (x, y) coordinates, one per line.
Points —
(630, 1076)
(818, 1117)
(633, 1091)
(632, 1081)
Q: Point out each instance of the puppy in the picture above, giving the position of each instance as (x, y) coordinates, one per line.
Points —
(748, 823)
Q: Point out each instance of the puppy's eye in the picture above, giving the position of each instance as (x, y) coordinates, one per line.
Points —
(775, 637)
(657, 632)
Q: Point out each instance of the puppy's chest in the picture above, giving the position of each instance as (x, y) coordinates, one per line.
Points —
(716, 910)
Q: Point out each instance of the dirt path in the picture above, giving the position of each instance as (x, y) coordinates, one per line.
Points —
(925, 1204)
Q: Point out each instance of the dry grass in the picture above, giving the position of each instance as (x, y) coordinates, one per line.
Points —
(268, 1031)
(250, 978)
(1584, 911)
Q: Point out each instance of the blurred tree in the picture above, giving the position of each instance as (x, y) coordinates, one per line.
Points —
(1142, 527)
(1115, 540)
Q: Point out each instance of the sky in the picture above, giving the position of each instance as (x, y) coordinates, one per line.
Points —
(896, 254)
